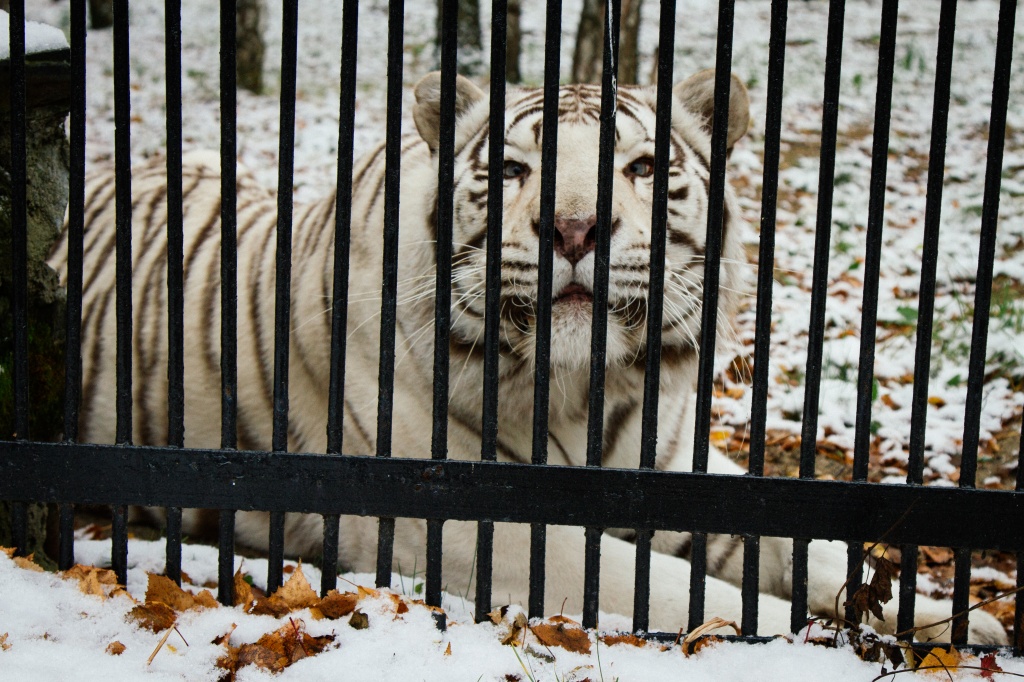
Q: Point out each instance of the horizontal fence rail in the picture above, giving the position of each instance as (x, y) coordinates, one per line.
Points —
(519, 493)
(390, 484)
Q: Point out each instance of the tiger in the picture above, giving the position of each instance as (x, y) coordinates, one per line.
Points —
(574, 234)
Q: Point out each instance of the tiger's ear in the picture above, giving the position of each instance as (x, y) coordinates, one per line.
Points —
(427, 112)
(697, 93)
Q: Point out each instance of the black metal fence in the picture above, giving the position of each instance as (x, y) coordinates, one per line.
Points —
(437, 489)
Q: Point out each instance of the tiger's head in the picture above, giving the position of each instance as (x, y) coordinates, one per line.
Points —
(575, 218)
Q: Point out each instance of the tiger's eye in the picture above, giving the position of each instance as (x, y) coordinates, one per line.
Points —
(641, 168)
(514, 169)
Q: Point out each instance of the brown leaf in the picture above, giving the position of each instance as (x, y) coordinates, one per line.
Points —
(937, 556)
(260, 656)
(163, 589)
(627, 638)
(359, 620)
(243, 592)
(562, 632)
(871, 596)
(337, 604)
(296, 593)
(154, 616)
(115, 648)
(448, 650)
(206, 600)
(226, 637)
(28, 563)
(9, 551)
(4, 646)
(91, 580)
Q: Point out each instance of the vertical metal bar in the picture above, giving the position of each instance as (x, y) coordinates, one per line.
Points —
(19, 221)
(123, 220)
(275, 554)
(765, 283)
(443, 281)
(342, 225)
(926, 298)
(228, 285)
(175, 276)
(119, 542)
(389, 289)
(285, 182)
(872, 261)
(1018, 600)
(599, 318)
(655, 299)
(545, 262)
(709, 304)
(19, 252)
(983, 295)
(283, 282)
(226, 558)
(66, 548)
(76, 222)
(228, 225)
(816, 331)
(329, 568)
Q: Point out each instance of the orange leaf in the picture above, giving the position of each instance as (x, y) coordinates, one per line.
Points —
(115, 648)
(562, 632)
(154, 616)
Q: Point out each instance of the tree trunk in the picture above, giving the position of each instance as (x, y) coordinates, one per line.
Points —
(589, 53)
(470, 39)
(46, 197)
(249, 45)
(629, 32)
(514, 42)
(101, 13)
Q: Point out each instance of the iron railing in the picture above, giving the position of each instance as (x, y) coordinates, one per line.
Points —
(488, 491)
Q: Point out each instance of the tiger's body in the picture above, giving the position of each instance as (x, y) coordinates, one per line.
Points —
(313, 241)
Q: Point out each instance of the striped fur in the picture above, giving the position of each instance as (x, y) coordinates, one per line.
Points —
(313, 241)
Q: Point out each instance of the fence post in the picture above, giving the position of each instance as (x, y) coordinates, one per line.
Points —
(48, 88)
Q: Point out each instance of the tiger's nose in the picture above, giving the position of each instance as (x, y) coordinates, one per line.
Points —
(575, 238)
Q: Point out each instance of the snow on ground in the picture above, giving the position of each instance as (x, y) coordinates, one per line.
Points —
(55, 632)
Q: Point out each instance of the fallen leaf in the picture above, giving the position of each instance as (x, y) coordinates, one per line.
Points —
(92, 580)
(28, 563)
(243, 592)
(274, 651)
(226, 637)
(939, 660)
(359, 620)
(115, 648)
(695, 639)
(337, 604)
(4, 646)
(627, 638)
(937, 556)
(869, 597)
(448, 650)
(9, 551)
(989, 666)
(562, 632)
(936, 401)
(297, 592)
(154, 616)
(164, 590)
(510, 622)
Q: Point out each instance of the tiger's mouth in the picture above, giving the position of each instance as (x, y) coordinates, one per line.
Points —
(574, 293)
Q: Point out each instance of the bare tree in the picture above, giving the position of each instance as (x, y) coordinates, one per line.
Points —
(514, 41)
(249, 45)
(470, 38)
(586, 58)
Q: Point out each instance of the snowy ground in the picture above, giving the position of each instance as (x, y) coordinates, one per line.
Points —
(44, 618)
(50, 629)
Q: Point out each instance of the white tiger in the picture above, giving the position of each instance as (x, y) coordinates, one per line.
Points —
(576, 199)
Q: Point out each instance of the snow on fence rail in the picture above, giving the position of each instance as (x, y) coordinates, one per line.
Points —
(434, 488)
